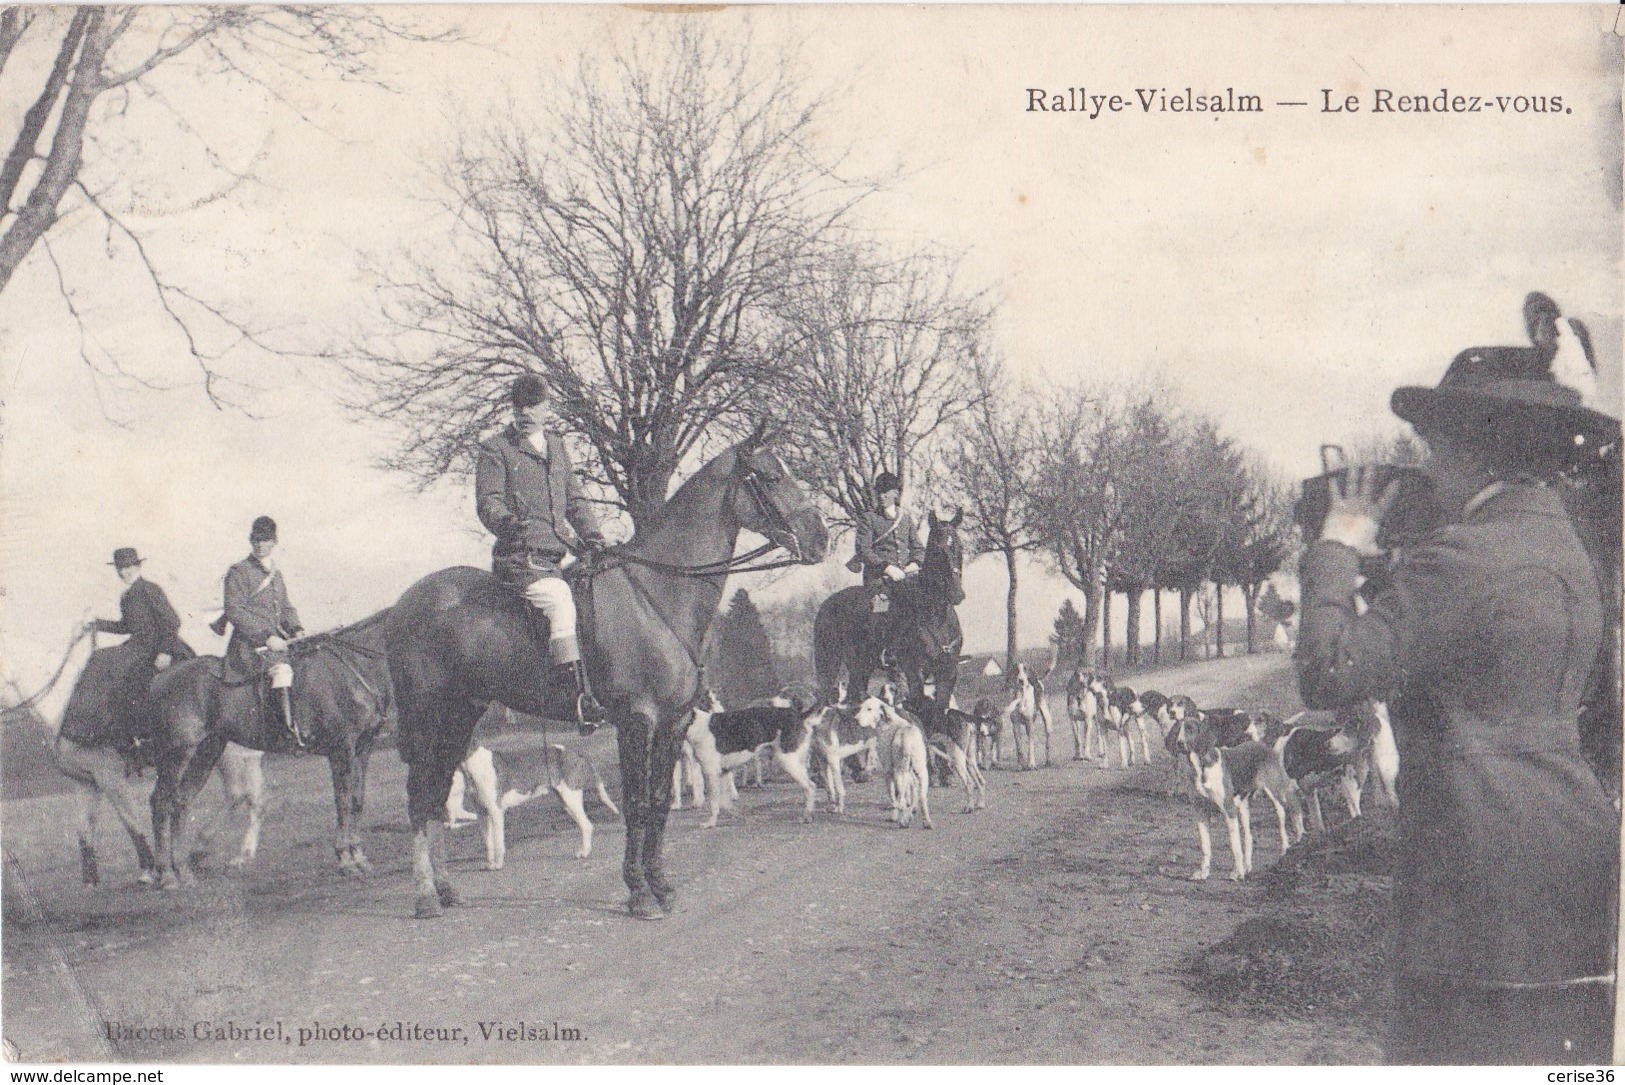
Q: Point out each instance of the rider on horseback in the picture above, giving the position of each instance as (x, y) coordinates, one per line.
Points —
(886, 550)
(256, 605)
(153, 627)
(525, 492)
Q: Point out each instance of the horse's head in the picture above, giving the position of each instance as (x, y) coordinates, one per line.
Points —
(944, 559)
(770, 502)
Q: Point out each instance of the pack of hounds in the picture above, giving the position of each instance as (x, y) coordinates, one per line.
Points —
(1229, 756)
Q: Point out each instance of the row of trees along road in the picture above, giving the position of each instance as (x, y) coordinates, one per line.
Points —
(1119, 492)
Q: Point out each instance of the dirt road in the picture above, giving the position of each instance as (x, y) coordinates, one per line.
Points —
(1056, 926)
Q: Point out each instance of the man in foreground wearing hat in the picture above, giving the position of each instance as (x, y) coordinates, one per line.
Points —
(886, 549)
(1481, 640)
(526, 492)
(257, 607)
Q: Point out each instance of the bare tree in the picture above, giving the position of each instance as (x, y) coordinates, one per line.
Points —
(1151, 490)
(632, 249)
(883, 357)
(994, 471)
(89, 72)
(1079, 513)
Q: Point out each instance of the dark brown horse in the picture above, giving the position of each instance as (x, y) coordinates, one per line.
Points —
(458, 640)
(342, 701)
(925, 635)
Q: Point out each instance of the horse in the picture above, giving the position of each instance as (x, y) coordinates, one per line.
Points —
(341, 696)
(925, 637)
(459, 639)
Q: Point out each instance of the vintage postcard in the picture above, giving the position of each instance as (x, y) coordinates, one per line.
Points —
(617, 535)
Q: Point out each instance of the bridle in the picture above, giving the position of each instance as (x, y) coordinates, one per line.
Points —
(753, 485)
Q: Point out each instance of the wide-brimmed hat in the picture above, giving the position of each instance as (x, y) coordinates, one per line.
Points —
(1530, 397)
(263, 530)
(124, 557)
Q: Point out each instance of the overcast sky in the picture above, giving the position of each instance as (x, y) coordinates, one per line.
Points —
(1283, 271)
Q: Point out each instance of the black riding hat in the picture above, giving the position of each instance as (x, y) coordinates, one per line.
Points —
(1528, 397)
(124, 557)
(528, 390)
(264, 530)
(886, 482)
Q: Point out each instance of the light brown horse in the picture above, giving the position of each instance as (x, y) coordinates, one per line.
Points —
(458, 640)
(342, 701)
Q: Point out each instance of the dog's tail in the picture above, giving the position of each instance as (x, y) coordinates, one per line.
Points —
(603, 797)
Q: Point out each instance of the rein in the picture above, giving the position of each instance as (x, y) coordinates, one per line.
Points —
(739, 563)
(29, 702)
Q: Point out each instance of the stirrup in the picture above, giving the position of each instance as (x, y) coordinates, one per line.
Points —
(887, 660)
(590, 714)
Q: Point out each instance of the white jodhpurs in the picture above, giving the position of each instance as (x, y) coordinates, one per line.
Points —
(551, 595)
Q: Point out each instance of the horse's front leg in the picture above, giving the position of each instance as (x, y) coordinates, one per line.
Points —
(666, 747)
(358, 798)
(346, 779)
(194, 770)
(428, 781)
(635, 734)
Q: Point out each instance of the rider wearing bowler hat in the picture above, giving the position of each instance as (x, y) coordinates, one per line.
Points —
(257, 606)
(1481, 641)
(527, 495)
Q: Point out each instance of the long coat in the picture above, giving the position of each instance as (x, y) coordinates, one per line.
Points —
(1481, 644)
(109, 702)
(151, 623)
(880, 541)
(257, 607)
(525, 499)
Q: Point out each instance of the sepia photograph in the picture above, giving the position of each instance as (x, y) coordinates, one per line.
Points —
(820, 535)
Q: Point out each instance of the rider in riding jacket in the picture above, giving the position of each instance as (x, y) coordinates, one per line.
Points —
(153, 627)
(526, 491)
(886, 550)
(256, 605)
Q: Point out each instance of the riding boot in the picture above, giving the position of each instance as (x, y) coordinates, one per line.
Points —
(286, 702)
(589, 713)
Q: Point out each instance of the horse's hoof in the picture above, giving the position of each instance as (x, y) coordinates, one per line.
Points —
(237, 867)
(188, 879)
(428, 907)
(447, 893)
(362, 864)
(148, 876)
(168, 881)
(645, 906)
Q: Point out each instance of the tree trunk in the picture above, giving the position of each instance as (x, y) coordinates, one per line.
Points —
(1184, 624)
(1218, 621)
(1091, 625)
(1131, 629)
(1010, 610)
(1106, 630)
(1250, 593)
(38, 212)
(1156, 621)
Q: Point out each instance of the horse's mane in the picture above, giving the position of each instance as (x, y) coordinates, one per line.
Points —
(720, 464)
(339, 636)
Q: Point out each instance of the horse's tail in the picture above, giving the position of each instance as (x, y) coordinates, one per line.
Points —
(827, 644)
